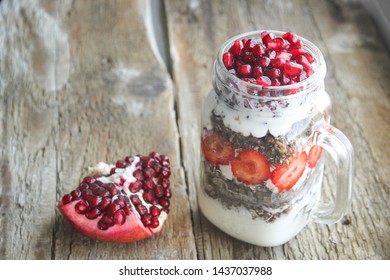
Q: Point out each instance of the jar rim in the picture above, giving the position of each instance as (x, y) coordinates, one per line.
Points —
(317, 76)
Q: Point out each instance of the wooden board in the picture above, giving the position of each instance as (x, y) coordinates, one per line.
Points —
(81, 82)
(357, 81)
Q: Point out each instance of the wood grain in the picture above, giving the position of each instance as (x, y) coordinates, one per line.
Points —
(358, 82)
(80, 83)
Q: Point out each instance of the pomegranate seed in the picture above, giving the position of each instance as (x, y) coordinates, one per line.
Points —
(271, 54)
(119, 217)
(149, 172)
(112, 208)
(273, 73)
(164, 202)
(148, 195)
(275, 82)
(157, 167)
(108, 220)
(266, 37)
(292, 68)
(93, 200)
(135, 200)
(236, 48)
(244, 70)
(154, 223)
(148, 185)
(89, 180)
(135, 186)
(248, 57)
(93, 213)
(290, 37)
(301, 59)
(165, 172)
(142, 210)
(155, 211)
(146, 220)
(257, 72)
(276, 44)
(127, 210)
(121, 163)
(75, 194)
(309, 57)
(104, 203)
(168, 193)
(278, 63)
(263, 81)
(81, 207)
(66, 199)
(120, 201)
(165, 183)
(83, 186)
(228, 60)
(102, 225)
(258, 50)
(296, 51)
(113, 171)
(129, 159)
(159, 191)
(283, 55)
(264, 61)
(138, 175)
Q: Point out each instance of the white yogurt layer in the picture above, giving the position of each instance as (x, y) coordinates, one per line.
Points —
(249, 122)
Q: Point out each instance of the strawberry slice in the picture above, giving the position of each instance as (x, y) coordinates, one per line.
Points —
(285, 176)
(250, 167)
(216, 149)
(314, 155)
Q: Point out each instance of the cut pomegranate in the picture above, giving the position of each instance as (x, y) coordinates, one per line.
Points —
(280, 60)
(122, 203)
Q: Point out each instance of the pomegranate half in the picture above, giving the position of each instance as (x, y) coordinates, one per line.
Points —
(125, 202)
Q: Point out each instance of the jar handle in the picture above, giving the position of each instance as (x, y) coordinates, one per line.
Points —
(341, 151)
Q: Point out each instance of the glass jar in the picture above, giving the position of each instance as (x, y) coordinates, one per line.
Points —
(262, 154)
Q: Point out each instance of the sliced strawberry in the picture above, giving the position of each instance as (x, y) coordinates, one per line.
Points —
(250, 167)
(285, 176)
(216, 149)
(314, 155)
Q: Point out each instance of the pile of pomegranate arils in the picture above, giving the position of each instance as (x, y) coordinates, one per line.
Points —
(270, 60)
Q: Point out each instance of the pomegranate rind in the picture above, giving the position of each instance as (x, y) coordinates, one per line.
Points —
(132, 230)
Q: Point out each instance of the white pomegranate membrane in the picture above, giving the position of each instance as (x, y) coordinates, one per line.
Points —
(260, 169)
(125, 202)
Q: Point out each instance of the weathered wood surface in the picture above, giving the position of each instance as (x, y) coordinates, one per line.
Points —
(80, 82)
(358, 82)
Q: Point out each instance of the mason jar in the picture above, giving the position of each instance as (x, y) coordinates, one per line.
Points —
(263, 143)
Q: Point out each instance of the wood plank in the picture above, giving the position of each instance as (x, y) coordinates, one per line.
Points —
(96, 92)
(198, 28)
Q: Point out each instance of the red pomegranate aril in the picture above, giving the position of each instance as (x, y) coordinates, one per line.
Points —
(257, 72)
(102, 225)
(263, 81)
(148, 196)
(168, 193)
(157, 167)
(264, 61)
(278, 63)
(66, 199)
(258, 50)
(75, 194)
(119, 217)
(89, 179)
(267, 37)
(83, 186)
(149, 184)
(135, 200)
(154, 222)
(271, 54)
(292, 68)
(248, 57)
(309, 57)
(290, 37)
(146, 219)
(129, 159)
(228, 60)
(273, 73)
(142, 210)
(135, 186)
(104, 203)
(283, 55)
(236, 48)
(138, 174)
(165, 172)
(120, 201)
(108, 219)
(248, 45)
(121, 163)
(82, 207)
(164, 202)
(244, 70)
(159, 192)
(296, 51)
(276, 82)
(276, 44)
(149, 173)
(93, 200)
(127, 210)
(93, 213)
(301, 59)
(112, 208)
(155, 211)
